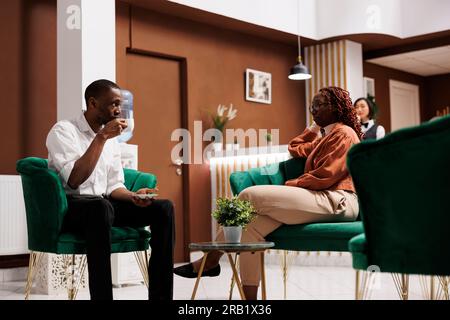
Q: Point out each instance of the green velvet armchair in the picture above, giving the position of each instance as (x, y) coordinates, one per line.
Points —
(302, 237)
(403, 185)
(46, 205)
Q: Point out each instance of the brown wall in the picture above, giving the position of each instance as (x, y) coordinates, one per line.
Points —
(39, 81)
(216, 62)
(28, 82)
(437, 94)
(382, 75)
(10, 76)
(28, 78)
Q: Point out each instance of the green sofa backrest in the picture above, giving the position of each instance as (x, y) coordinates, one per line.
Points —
(275, 174)
(46, 202)
(403, 186)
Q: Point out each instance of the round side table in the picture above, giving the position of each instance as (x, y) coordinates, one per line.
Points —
(228, 249)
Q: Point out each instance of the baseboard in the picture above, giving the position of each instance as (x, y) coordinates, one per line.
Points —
(14, 261)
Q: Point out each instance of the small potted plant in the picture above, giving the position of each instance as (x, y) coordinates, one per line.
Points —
(233, 215)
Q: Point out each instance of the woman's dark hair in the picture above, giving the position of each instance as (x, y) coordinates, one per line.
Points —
(343, 107)
(371, 107)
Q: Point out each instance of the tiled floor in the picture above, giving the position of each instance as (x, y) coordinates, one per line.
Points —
(304, 283)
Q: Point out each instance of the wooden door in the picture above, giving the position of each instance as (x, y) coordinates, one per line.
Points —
(404, 101)
(156, 87)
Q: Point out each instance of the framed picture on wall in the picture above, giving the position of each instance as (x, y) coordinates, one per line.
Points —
(258, 86)
(369, 87)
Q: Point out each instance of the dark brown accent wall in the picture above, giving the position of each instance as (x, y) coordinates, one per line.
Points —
(216, 62)
(28, 83)
(39, 82)
(437, 90)
(28, 80)
(10, 66)
(382, 75)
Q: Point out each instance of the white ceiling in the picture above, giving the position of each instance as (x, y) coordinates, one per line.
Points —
(425, 63)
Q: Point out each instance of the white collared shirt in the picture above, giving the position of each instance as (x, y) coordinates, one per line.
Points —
(380, 129)
(67, 141)
(328, 128)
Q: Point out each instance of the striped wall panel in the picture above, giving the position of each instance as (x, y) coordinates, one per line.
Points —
(326, 63)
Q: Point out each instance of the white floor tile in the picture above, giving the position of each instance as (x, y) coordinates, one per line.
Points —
(303, 283)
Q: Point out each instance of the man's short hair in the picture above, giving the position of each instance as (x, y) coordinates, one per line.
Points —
(98, 87)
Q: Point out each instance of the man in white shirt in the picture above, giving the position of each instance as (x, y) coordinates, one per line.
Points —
(86, 155)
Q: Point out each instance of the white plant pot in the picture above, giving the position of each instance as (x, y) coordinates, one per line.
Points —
(232, 234)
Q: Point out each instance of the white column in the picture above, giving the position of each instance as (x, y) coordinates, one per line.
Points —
(354, 69)
(85, 50)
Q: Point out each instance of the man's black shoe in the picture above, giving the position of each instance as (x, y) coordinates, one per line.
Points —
(187, 271)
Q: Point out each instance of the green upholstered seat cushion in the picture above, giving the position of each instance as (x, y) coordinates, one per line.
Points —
(135, 180)
(403, 185)
(46, 205)
(315, 236)
(308, 237)
(123, 239)
(358, 248)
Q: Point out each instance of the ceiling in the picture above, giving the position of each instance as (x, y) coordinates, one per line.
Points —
(424, 55)
(425, 63)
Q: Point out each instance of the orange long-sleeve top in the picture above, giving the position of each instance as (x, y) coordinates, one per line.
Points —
(325, 167)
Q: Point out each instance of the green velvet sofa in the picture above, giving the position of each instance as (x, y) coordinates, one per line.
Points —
(303, 237)
(46, 205)
(403, 186)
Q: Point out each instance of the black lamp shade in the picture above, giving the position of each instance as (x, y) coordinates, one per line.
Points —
(299, 72)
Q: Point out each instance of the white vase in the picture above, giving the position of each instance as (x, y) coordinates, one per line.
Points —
(232, 234)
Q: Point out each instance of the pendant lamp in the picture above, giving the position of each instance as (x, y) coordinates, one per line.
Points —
(299, 71)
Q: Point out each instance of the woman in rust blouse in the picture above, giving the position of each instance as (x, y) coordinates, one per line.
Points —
(324, 192)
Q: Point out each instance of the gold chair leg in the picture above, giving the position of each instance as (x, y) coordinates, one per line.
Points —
(199, 275)
(285, 262)
(79, 279)
(357, 289)
(401, 282)
(432, 288)
(141, 259)
(429, 289)
(443, 280)
(71, 287)
(363, 284)
(35, 258)
(74, 275)
(284, 270)
(230, 296)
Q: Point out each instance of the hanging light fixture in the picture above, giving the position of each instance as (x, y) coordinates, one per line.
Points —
(299, 71)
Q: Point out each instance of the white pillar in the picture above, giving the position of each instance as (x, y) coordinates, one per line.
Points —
(85, 50)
